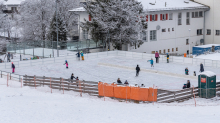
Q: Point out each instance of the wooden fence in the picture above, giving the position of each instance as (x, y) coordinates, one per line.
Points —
(165, 96)
(62, 84)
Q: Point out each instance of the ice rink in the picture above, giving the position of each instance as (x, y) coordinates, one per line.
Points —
(109, 68)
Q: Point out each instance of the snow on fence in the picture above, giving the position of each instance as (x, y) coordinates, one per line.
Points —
(62, 84)
(166, 96)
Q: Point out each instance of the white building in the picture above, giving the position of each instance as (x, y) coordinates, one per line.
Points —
(212, 19)
(12, 5)
(169, 22)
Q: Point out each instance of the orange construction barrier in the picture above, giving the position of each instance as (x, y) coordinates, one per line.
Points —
(135, 93)
(152, 95)
(108, 90)
(143, 94)
(101, 88)
(122, 92)
(184, 54)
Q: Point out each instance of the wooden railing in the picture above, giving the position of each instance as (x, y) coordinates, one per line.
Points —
(62, 84)
(166, 96)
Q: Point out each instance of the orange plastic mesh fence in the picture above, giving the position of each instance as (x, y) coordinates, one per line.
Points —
(152, 94)
(127, 92)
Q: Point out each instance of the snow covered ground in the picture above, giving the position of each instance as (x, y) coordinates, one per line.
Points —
(214, 56)
(29, 105)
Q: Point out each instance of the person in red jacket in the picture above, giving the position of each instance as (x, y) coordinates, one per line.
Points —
(157, 56)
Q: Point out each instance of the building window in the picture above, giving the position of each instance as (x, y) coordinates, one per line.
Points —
(144, 36)
(177, 49)
(168, 29)
(196, 14)
(217, 32)
(163, 30)
(85, 34)
(168, 50)
(187, 41)
(179, 18)
(172, 29)
(153, 17)
(153, 35)
(159, 51)
(199, 31)
(164, 51)
(187, 18)
(163, 17)
(208, 31)
(170, 16)
(193, 14)
(201, 14)
(172, 49)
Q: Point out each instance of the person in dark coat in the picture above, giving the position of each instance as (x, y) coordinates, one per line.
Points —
(78, 56)
(168, 56)
(184, 86)
(137, 70)
(126, 82)
(13, 67)
(188, 84)
(72, 77)
(157, 57)
(194, 73)
(119, 81)
(201, 68)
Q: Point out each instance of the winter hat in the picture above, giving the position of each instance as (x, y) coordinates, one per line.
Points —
(65, 60)
(12, 62)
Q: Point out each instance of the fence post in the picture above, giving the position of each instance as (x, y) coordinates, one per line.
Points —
(34, 82)
(50, 85)
(60, 83)
(43, 80)
(10, 76)
(63, 85)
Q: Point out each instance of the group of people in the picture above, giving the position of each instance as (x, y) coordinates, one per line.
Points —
(126, 83)
(194, 73)
(78, 55)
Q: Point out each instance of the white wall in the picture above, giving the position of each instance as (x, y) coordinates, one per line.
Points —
(212, 20)
(173, 39)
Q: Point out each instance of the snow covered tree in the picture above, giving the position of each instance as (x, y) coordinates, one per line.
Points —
(123, 21)
(62, 32)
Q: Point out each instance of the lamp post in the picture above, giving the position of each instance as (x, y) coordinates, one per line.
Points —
(57, 30)
(189, 42)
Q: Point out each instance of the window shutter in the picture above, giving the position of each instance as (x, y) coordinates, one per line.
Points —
(161, 17)
(90, 18)
(150, 17)
(156, 17)
(147, 18)
(166, 16)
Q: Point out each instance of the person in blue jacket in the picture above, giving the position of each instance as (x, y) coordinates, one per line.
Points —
(78, 56)
(151, 62)
(82, 55)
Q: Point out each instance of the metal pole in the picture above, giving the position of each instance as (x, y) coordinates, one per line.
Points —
(189, 42)
(57, 30)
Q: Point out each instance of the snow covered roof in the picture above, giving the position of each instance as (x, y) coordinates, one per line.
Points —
(208, 45)
(163, 5)
(13, 2)
(208, 73)
(80, 9)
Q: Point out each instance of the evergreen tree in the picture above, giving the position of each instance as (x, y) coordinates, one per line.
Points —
(123, 21)
(62, 32)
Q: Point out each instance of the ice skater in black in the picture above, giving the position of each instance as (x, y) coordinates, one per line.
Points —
(137, 70)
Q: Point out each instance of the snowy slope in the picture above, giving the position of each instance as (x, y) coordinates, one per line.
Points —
(28, 105)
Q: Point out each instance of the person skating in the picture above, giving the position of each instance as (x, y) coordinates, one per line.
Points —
(194, 73)
(13, 67)
(151, 62)
(168, 56)
(82, 55)
(66, 64)
(201, 68)
(126, 82)
(137, 70)
(78, 56)
(187, 71)
(157, 56)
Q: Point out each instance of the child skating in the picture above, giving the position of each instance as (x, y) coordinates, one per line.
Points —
(187, 71)
(151, 62)
(78, 56)
(82, 55)
(66, 64)
(13, 67)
